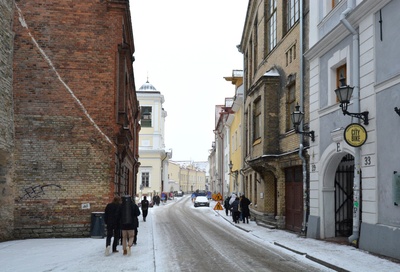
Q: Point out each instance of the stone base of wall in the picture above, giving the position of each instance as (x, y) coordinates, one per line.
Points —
(59, 231)
(268, 219)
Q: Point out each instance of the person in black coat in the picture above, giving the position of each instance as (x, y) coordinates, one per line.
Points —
(244, 205)
(145, 207)
(226, 205)
(129, 223)
(112, 220)
(235, 210)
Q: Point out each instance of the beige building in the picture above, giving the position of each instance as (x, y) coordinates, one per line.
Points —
(191, 176)
(153, 158)
(174, 170)
(275, 156)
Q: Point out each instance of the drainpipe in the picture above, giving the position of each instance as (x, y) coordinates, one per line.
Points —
(301, 147)
(356, 101)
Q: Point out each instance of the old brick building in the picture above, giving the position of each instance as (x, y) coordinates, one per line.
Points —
(6, 120)
(75, 113)
(273, 41)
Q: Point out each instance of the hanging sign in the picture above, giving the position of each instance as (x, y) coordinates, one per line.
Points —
(355, 135)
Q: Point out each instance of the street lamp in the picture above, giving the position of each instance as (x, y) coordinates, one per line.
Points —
(235, 173)
(344, 93)
(297, 118)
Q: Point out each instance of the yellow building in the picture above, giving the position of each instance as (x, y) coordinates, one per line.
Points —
(153, 158)
(234, 122)
(191, 176)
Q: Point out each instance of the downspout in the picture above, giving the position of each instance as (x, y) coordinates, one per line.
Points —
(356, 101)
(301, 148)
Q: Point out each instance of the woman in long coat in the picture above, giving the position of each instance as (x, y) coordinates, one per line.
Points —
(129, 223)
(244, 205)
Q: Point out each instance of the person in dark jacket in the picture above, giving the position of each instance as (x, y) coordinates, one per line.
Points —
(145, 207)
(226, 205)
(112, 220)
(244, 205)
(129, 223)
(235, 210)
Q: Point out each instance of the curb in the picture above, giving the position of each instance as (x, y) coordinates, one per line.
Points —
(319, 261)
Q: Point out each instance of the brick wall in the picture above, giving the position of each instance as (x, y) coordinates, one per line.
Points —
(6, 120)
(64, 164)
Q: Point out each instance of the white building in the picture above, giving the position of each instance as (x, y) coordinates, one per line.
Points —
(354, 181)
(153, 158)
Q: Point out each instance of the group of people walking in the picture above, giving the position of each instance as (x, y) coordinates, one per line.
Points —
(238, 207)
(121, 217)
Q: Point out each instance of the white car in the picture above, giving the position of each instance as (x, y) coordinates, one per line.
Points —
(201, 201)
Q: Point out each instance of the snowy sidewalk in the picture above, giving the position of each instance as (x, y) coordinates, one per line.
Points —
(87, 254)
(335, 256)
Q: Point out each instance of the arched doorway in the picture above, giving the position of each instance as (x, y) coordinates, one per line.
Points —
(344, 178)
(337, 194)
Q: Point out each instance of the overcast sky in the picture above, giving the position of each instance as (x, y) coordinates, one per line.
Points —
(186, 48)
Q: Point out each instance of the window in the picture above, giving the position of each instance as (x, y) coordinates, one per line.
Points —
(145, 179)
(293, 12)
(290, 104)
(291, 54)
(257, 119)
(341, 73)
(341, 80)
(272, 25)
(145, 120)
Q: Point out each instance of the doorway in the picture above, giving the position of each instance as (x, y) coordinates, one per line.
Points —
(344, 179)
(294, 198)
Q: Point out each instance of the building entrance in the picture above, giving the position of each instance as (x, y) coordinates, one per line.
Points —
(344, 178)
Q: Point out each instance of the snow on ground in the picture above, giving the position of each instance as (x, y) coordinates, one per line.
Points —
(87, 254)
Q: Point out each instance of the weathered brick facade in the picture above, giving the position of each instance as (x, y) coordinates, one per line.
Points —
(6, 121)
(272, 85)
(76, 113)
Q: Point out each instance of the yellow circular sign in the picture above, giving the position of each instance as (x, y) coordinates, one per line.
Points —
(355, 135)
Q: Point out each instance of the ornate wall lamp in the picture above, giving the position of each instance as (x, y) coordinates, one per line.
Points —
(234, 173)
(297, 118)
(344, 93)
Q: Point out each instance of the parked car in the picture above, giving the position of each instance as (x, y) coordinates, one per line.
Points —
(201, 201)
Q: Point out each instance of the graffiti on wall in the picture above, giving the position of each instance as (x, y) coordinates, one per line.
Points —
(37, 191)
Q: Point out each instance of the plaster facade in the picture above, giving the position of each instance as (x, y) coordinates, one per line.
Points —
(366, 48)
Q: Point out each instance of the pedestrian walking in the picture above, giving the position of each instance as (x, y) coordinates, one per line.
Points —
(136, 229)
(145, 207)
(112, 220)
(233, 198)
(226, 205)
(157, 200)
(193, 196)
(235, 210)
(129, 223)
(244, 204)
